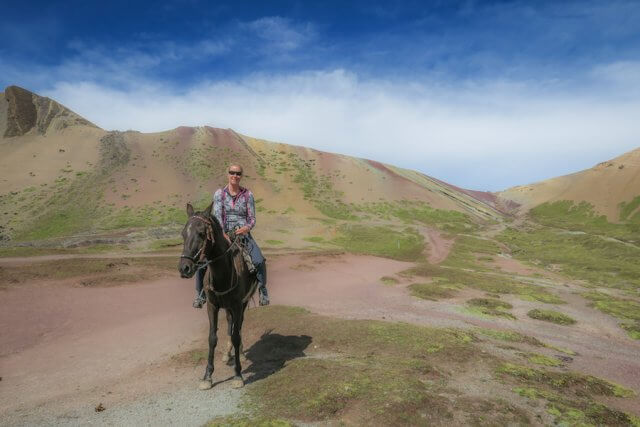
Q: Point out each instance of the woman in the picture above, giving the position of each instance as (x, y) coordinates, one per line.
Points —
(234, 207)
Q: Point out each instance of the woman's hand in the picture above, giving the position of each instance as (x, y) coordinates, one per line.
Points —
(243, 230)
(226, 236)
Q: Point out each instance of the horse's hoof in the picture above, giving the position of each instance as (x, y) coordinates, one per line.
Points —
(237, 383)
(205, 385)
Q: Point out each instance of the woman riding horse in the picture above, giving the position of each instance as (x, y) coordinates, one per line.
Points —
(234, 207)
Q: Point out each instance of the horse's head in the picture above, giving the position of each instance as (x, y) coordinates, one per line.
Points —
(197, 232)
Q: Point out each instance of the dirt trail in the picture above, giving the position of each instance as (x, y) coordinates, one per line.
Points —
(65, 349)
(439, 246)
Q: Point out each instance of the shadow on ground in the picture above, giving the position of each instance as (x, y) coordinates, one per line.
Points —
(270, 353)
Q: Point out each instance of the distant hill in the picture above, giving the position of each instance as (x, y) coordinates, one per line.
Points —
(64, 176)
(612, 188)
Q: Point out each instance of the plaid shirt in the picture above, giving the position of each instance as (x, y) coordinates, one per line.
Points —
(234, 211)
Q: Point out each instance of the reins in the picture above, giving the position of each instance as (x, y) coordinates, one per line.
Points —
(200, 264)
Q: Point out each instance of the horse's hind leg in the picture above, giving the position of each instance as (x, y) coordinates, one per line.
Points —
(238, 315)
(212, 311)
(228, 352)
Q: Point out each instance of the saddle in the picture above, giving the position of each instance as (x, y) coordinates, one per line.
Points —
(241, 243)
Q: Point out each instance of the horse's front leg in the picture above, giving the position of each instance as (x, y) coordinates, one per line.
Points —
(227, 353)
(212, 311)
(238, 317)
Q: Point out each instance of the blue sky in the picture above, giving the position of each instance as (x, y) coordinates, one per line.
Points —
(484, 95)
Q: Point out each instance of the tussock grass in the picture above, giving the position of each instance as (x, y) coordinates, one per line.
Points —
(510, 336)
(381, 374)
(434, 291)
(541, 359)
(628, 208)
(568, 396)
(626, 310)
(582, 217)
(405, 245)
(388, 280)
(491, 283)
(551, 316)
(419, 212)
(248, 421)
(490, 307)
(587, 257)
(465, 251)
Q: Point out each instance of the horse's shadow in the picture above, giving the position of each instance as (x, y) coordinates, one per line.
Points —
(270, 353)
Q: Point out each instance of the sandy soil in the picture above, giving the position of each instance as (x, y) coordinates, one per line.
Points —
(65, 349)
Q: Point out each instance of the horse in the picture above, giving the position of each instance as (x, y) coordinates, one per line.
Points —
(227, 281)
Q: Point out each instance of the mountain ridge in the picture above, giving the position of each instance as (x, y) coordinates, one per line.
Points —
(60, 169)
(66, 176)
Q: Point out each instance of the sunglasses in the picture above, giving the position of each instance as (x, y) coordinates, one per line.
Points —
(236, 173)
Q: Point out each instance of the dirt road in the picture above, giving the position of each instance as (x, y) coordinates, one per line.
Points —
(64, 349)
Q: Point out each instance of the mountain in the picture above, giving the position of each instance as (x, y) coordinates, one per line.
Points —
(63, 176)
(609, 187)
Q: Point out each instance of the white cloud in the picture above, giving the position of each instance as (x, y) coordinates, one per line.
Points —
(281, 34)
(482, 135)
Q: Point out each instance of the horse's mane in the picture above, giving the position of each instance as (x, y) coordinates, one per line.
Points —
(214, 219)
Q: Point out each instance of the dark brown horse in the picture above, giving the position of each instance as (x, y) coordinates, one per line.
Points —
(227, 282)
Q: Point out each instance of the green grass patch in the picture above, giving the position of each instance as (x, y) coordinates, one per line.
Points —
(568, 396)
(624, 309)
(434, 291)
(587, 257)
(576, 411)
(161, 244)
(566, 382)
(248, 421)
(551, 316)
(413, 212)
(388, 280)
(491, 307)
(406, 245)
(510, 336)
(491, 283)
(274, 242)
(371, 373)
(517, 337)
(466, 251)
(541, 359)
(582, 217)
(314, 239)
(628, 208)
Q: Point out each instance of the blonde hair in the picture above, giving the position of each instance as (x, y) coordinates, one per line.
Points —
(235, 165)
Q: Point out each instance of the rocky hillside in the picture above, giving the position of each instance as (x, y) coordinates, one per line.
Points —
(63, 176)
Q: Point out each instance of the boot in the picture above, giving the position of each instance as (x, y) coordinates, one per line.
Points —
(264, 296)
(261, 275)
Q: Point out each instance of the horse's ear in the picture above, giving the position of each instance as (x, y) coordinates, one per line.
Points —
(207, 212)
(190, 210)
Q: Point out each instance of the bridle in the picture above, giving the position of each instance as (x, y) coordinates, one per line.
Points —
(200, 258)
